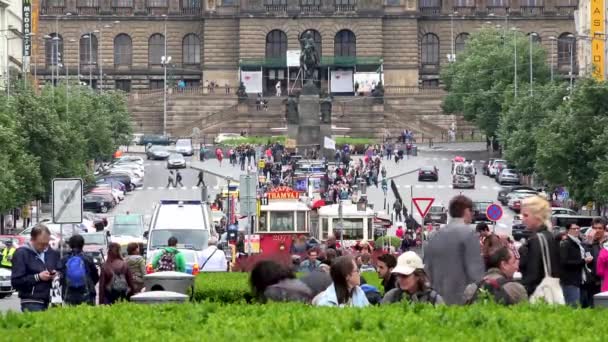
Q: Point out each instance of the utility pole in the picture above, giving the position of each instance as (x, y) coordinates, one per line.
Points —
(515, 60)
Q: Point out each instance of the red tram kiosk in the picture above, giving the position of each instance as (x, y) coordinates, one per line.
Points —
(282, 217)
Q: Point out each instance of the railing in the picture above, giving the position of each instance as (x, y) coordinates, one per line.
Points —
(310, 8)
(430, 10)
(565, 10)
(465, 10)
(276, 8)
(191, 10)
(406, 90)
(530, 11)
(344, 7)
(498, 10)
(88, 10)
(122, 10)
(157, 10)
(52, 10)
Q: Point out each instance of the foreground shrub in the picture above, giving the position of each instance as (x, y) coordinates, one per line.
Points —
(297, 322)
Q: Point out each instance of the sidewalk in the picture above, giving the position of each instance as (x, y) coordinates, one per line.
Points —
(454, 147)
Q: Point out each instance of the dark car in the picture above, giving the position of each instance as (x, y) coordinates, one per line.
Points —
(118, 177)
(519, 232)
(479, 211)
(157, 152)
(155, 140)
(100, 203)
(428, 173)
(437, 214)
(502, 194)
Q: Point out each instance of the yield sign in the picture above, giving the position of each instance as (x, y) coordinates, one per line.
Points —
(429, 201)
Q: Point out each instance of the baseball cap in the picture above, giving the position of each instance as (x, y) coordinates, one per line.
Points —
(407, 263)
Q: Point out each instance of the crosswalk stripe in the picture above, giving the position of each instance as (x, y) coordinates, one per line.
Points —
(398, 186)
(418, 186)
(484, 187)
(430, 186)
(440, 186)
(150, 188)
(194, 187)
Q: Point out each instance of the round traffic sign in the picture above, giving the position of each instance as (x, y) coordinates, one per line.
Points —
(494, 212)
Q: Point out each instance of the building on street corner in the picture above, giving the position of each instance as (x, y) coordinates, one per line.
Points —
(11, 44)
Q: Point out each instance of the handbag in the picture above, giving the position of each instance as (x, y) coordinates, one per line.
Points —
(55, 293)
(549, 290)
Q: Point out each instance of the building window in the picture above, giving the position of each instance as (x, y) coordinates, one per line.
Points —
(124, 85)
(123, 50)
(498, 3)
(464, 3)
(122, 3)
(87, 3)
(88, 49)
(316, 37)
(156, 49)
(53, 49)
(157, 84)
(276, 44)
(460, 42)
(566, 46)
(55, 3)
(430, 49)
(393, 2)
(191, 49)
(345, 44)
(156, 3)
(532, 3)
(345, 5)
(430, 3)
(433, 83)
(191, 3)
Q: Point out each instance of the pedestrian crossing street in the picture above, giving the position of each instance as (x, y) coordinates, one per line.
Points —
(163, 188)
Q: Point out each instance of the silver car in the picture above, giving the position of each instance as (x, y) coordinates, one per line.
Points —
(508, 176)
(176, 161)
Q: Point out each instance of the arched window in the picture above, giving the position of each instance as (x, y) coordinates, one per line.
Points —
(316, 37)
(566, 46)
(430, 49)
(276, 44)
(123, 50)
(53, 49)
(88, 49)
(191, 49)
(156, 49)
(460, 42)
(345, 44)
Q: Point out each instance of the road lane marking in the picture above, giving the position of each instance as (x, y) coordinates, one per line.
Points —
(418, 186)
(484, 187)
(430, 186)
(440, 186)
(194, 187)
(150, 188)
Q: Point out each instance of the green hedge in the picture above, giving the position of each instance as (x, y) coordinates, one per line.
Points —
(234, 287)
(298, 322)
(393, 240)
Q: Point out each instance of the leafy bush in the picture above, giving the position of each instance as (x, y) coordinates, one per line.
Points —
(234, 287)
(298, 322)
(254, 140)
(393, 240)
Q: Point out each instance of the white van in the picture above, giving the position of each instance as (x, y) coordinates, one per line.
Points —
(189, 221)
(184, 146)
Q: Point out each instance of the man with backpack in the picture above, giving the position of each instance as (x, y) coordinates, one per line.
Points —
(170, 258)
(78, 274)
(498, 282)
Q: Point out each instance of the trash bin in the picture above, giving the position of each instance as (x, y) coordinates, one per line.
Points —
(601, 300)
(169, 281)
(414, 151)
(159, 297)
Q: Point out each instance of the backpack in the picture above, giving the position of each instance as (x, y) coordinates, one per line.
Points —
(494, 288)
(76, 272)
(166, 262)
(549, 289)
(119, 283)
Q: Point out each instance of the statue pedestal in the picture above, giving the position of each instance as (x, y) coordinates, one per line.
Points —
(309, 132)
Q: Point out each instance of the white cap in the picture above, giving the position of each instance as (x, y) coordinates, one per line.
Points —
(407, 263)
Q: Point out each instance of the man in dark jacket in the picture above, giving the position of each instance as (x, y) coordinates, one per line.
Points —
(84, 293)
(572, 262)
(34, 266)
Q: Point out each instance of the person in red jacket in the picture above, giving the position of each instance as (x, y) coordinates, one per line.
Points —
(399, 233)
(219, 155)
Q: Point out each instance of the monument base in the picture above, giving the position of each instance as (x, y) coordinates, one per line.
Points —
(310, 89)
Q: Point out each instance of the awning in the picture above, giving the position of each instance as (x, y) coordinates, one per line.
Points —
(318, 204)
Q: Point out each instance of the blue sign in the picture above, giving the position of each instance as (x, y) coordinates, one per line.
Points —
(494, 212)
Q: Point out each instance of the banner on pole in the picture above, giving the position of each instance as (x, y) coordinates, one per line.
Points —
(293, 58)
(252, 80)
(342, 81)
(329, 144)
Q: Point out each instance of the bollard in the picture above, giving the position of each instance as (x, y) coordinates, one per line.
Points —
(601, 299)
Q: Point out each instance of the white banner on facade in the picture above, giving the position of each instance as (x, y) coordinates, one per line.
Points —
(329, 144)
(367, 81)
(342, 81)
(293, 58)
(252, 81)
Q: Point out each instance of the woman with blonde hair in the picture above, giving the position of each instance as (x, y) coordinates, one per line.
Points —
(536, 216)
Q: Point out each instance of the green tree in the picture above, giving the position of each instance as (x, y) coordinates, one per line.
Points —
(483, 73)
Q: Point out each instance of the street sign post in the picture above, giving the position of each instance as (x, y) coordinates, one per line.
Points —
(67, 200)
(248, 201)
(494, 212)
(426, 209)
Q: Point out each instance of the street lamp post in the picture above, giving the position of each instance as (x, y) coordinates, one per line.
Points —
(77, 61)
(531, 67)
(452, 32)
(165, 60)
(515, 60)
(572, 42)
(552, 39)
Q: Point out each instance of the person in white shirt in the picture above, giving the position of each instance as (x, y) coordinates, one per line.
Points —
(213, 259)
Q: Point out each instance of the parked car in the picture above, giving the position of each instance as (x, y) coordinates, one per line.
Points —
(428, 173)
(510, 176)
(100, 203)
(562, 211)
(184, 146)
(130, 159)
(485, 169)
(496, 167)
(515, 199)
(479, 211)
(502, 194)
(96, 246)
(6, 288)
(122, 178)
(176, 161)
(135, 171)
(136, 180)
(157, 153)
(155, 140)
(116, 195)
(437, 214)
